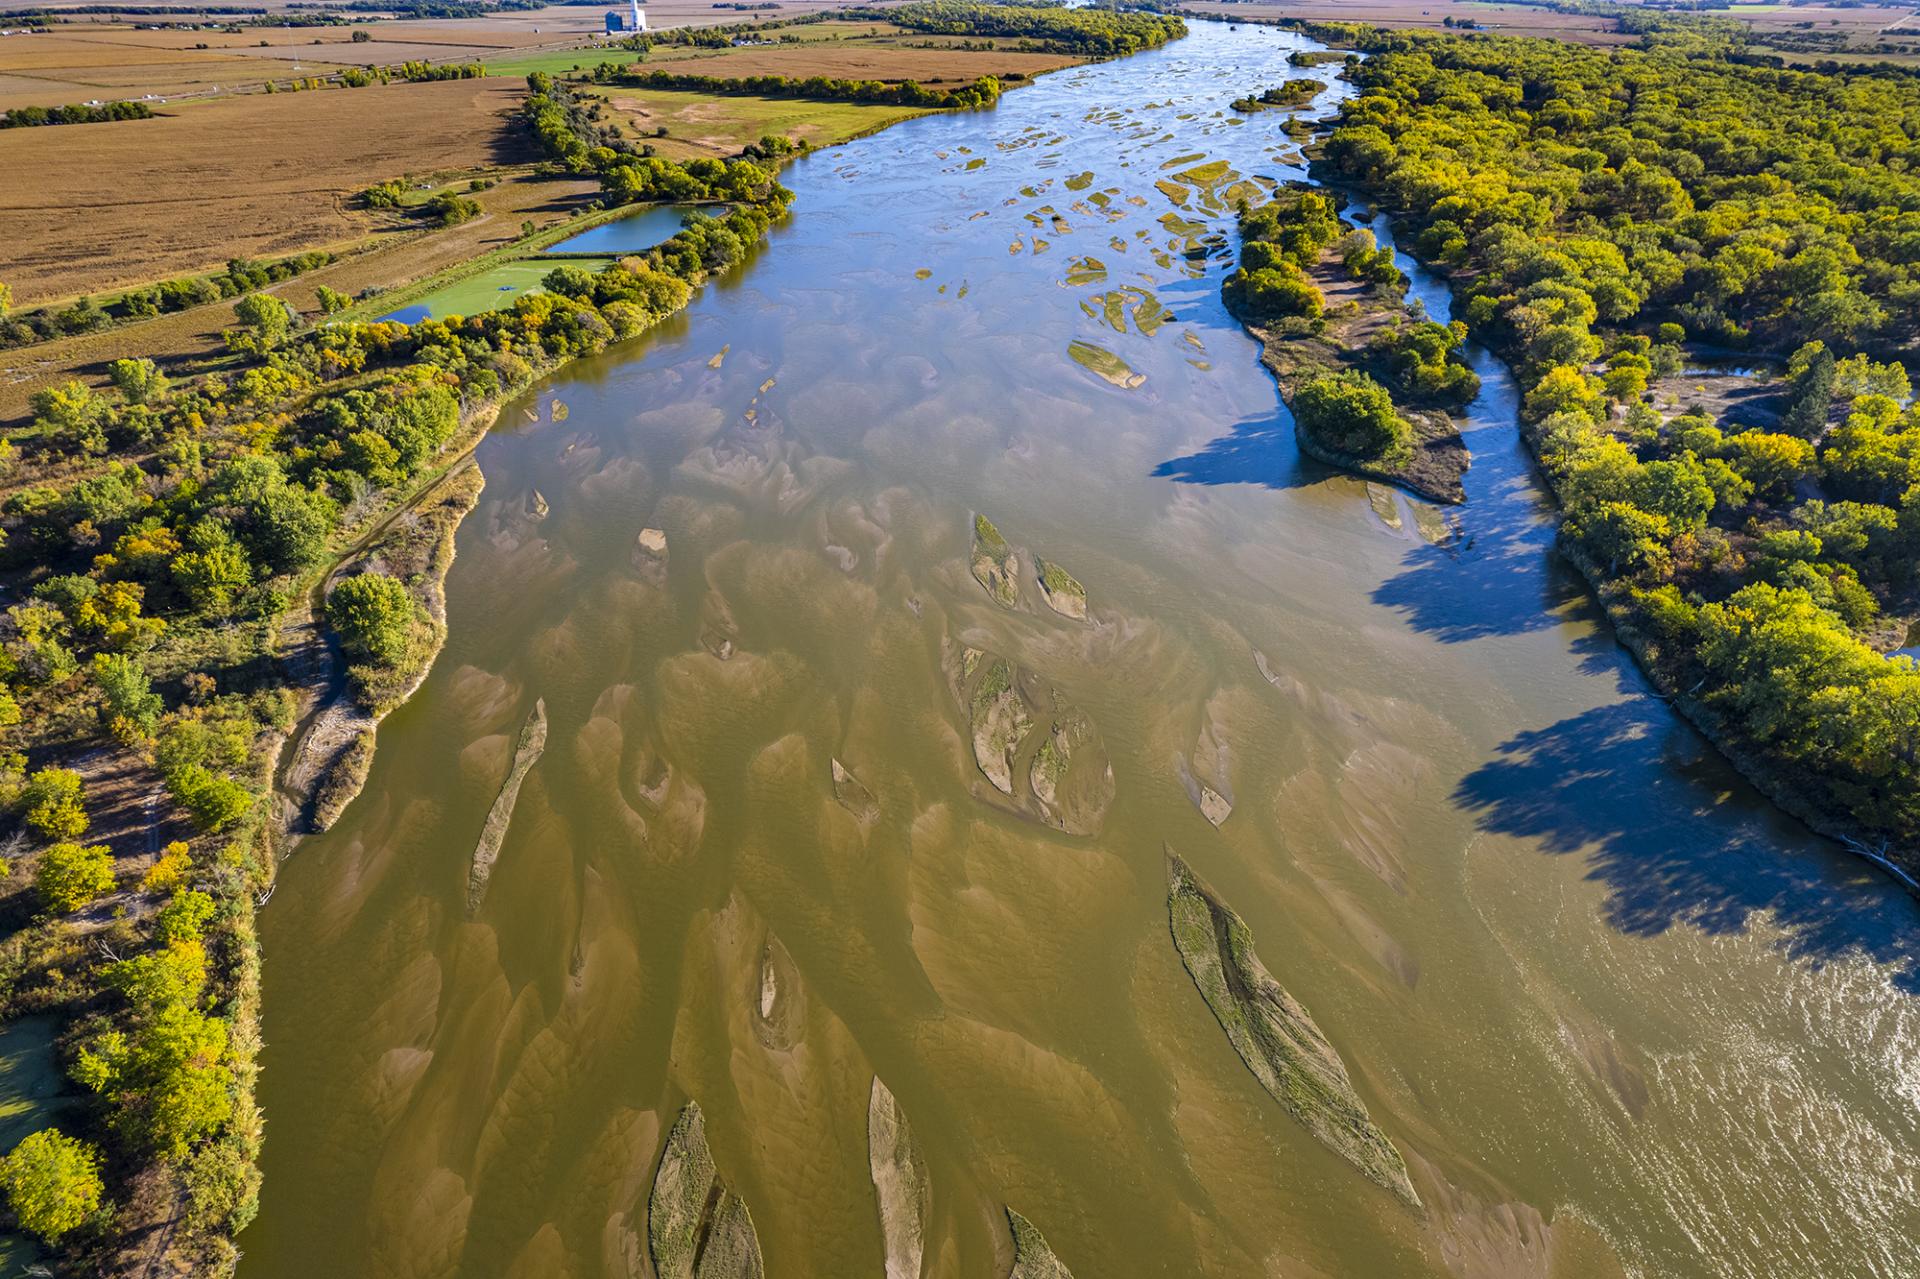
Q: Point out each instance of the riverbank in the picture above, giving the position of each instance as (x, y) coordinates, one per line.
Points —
(1775, 663)
(1678, 686)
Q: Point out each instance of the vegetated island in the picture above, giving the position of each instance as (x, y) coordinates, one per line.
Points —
(697, 1226)
(1032, 1257)
(1369, 379)
(1758, 563)
(1274, 1035)
(1291, 93)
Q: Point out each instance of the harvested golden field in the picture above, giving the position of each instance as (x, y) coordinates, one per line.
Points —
(700, 124)
(256, 175)
(864, 60)
(88, 57)
(1507, 19)
(51, 70)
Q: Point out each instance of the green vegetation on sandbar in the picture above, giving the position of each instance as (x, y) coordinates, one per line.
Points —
(1368, 377)
(1032, 1258)
(1104, 363)
(1064, 593)
(1273, 1033)
(1600, 209)
(1290, 93)
(697, 1228)
(994, 564)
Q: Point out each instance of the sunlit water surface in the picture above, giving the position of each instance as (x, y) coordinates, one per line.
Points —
(1618, 1014)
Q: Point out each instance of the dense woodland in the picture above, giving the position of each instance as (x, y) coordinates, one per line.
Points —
(1610, 215)
(154, 537)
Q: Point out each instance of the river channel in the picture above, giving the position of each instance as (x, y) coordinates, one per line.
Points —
(1618, 1014)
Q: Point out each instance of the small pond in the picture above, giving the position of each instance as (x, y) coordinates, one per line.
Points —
(637, 231)
(488, 291)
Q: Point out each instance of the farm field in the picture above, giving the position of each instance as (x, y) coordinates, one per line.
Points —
(1861, 29)
(56, 69)
(1507, 19)
(89, 57)
(864, 60)
(702, 124)
(139, 195)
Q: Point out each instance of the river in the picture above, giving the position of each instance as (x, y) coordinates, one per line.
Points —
(1620, 1015)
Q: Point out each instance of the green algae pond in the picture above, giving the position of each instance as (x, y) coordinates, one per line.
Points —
(832, 923)
(488, 290)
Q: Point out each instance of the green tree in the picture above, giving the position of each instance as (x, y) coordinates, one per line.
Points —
(183, 918)
(213, 801)
(53, 804)
(168, 1071)
(374, 614)
(1351, 413)
(1773, 463)
(53, 1183)
(1810, 387)
(139, 381)
(332, 301)
(132, 709)
(215, 570)
(72, 416)
(71, 875)
(266, 321)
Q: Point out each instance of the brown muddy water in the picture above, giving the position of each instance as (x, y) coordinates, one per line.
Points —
(1617, 1014)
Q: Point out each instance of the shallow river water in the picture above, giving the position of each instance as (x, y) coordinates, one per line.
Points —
(1618, 1014)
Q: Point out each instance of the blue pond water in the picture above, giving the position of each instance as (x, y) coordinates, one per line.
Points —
(639, 230)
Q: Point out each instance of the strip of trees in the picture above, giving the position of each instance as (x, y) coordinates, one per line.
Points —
(242, 276)
(34, 117)
(983, 92)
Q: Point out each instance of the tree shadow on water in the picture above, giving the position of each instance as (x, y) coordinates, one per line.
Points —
(1258, 450)
(1503, 578)
(1679, 839)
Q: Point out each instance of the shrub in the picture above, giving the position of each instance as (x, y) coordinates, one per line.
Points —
(374, 615)
(52, 804)
(71, 875)
(53, 1183)
(1351, 413)
(213, 801)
